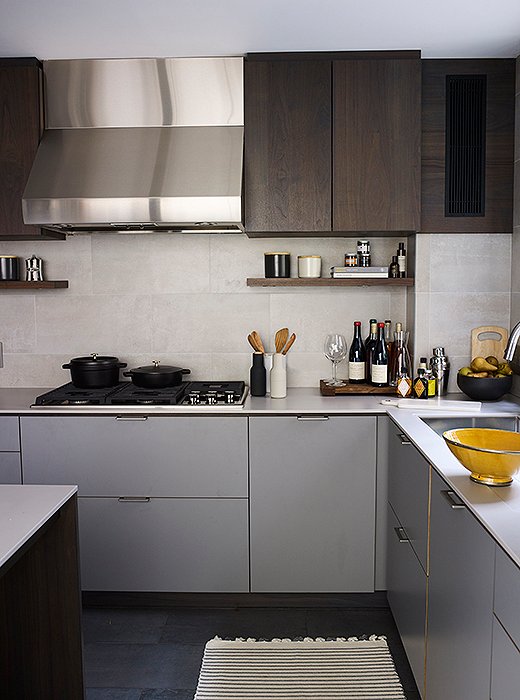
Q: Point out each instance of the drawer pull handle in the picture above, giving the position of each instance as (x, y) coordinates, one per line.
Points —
(450, 497)
(131, 417)
(404, 439)
(312, 418)
(134, 499)
(401, 535)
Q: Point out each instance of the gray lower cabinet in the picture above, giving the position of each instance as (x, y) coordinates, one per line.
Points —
(312, 503)
(164, 544)
(10, 466)
(163, 500)
(505, 665)
(189, 457)
(460, 600)
(408, 491)
(407, 583)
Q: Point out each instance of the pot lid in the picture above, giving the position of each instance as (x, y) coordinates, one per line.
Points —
(95, 360)
(157, 368)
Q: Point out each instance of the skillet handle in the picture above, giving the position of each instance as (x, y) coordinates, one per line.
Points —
(185, 371)
(127, 374)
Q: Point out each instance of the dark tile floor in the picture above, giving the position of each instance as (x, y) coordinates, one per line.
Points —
(152, 654)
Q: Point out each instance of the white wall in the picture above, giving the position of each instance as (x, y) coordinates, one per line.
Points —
(181, 299)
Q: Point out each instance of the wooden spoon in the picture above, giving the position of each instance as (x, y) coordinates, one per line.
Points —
(280, 339)
(289, 344)
(258, 340)
(252, 343)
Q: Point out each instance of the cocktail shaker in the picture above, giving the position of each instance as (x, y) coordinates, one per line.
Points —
(440, 367)
(34, 269)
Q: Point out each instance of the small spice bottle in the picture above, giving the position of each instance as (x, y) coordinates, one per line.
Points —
(420, 385)
(351, 260)
(393, 268)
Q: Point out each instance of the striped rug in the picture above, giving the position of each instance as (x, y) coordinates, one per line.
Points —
(311, 669)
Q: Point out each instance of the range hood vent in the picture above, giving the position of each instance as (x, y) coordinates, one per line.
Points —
(140, 145)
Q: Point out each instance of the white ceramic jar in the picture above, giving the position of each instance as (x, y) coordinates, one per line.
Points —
(309, 266)
(278, 377)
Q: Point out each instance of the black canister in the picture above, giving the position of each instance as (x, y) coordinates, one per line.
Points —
(9, 267)
(257, 376)
(277, 264)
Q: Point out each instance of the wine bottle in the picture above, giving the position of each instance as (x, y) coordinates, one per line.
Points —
(356, 357)
(379, 368)
(401, 260)
(369, 346)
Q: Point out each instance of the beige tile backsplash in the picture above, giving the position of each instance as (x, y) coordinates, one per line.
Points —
(183, 299)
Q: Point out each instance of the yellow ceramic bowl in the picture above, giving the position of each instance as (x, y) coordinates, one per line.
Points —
(492, 456)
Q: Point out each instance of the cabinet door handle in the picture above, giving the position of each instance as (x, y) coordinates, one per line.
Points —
(312, 418)
(401, 534)
(131, 417)
(404, 439)
(450, 497)
(134, 499)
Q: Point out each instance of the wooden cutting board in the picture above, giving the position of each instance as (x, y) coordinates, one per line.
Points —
(494, 345)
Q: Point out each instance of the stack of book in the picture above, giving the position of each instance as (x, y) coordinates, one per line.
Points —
(358, 272)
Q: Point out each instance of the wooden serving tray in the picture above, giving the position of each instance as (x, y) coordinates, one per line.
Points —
(355, 389)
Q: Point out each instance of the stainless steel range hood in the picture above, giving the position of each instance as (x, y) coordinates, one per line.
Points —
(140, 144)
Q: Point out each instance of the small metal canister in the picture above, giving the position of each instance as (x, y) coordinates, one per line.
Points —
(34, 269)
(440, 367)
(9, 267)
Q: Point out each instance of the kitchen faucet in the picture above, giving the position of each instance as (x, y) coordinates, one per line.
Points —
(511, 343)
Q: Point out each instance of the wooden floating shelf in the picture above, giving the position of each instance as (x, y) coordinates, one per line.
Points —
(329, 282)
(46, 284)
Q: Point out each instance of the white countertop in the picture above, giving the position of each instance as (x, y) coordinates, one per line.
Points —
(23, 511)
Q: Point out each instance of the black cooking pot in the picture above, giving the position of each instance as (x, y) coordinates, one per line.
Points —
(156, 376)
(95, 371)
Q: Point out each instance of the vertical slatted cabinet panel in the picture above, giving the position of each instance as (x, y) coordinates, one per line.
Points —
(287, 145)
(460, 193)
(376, 144)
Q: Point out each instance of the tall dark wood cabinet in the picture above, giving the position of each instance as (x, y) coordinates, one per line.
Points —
(376, 145)
(288, 160)
(332, 143)
(21, 124)
(468, 115)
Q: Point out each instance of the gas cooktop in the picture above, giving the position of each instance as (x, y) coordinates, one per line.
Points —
(211, 394)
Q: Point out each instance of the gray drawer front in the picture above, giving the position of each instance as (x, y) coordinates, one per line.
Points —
(408, 490)
(9, 434)
(507, 595)
(406, 583)
(10, 471)
(505, 666)
(195, 457)
(164, 544)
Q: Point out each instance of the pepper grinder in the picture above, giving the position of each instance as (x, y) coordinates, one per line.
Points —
(34, 269)
(257, 378)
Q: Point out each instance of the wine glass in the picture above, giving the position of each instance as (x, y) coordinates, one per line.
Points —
(335, 349)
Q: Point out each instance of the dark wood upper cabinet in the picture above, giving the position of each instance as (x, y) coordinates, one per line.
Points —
(376, 144)
(332, 143)
(468, 114)
(288, 160)
(21, 124)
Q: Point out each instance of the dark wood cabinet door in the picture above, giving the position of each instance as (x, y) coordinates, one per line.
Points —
(376, 144)
(495, 215)
(21, 124)
(287, 146)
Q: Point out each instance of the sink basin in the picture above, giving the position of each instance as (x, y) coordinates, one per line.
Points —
(440, 425)
(492, 456)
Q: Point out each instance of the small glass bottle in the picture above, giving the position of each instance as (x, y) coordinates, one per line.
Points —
(401, 365)
(423, 364)
(393, 268)
(420, 385)
(401, 259)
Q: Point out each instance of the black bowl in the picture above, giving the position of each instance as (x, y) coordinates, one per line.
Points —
(484, 388)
